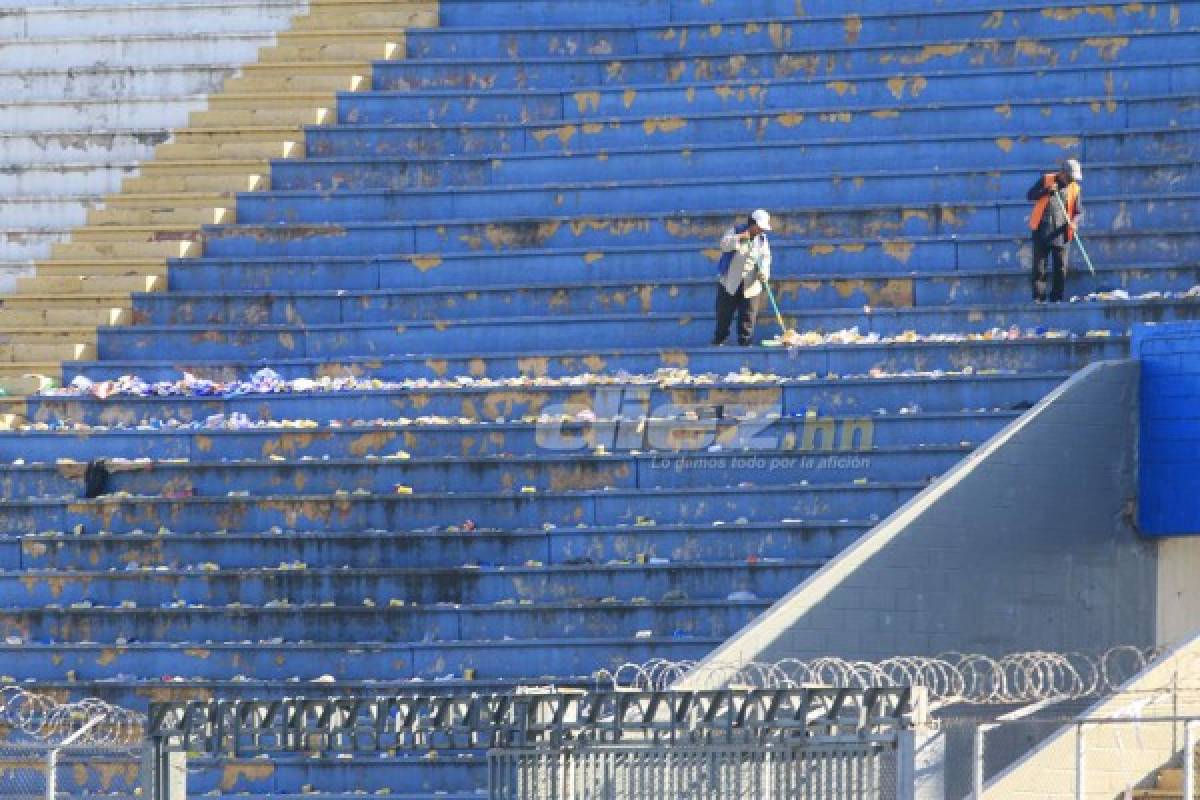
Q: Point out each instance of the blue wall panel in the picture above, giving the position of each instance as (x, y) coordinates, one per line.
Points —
(1169, 452)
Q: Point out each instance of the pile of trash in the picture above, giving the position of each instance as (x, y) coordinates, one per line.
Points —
(265, 381)
(1115, 295)
(794, 339)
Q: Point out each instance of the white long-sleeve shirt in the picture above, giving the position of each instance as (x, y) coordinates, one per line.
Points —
(742, 260)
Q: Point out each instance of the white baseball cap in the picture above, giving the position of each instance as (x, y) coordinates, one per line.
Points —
(762, 219)
(1072, 168)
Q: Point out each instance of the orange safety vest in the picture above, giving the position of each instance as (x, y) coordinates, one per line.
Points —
(1039, 208)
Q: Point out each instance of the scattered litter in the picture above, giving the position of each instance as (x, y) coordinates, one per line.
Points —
(664, 378)
(849, 336)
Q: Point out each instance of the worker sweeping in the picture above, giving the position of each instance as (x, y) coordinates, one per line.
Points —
(744, 268)
(1057, 206)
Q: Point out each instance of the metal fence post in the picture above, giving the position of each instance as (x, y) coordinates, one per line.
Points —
(906, 764)
(51, 773)
(52, 756)
(977, 762)
(1189, 758)
(1080, 761)
(164, 773)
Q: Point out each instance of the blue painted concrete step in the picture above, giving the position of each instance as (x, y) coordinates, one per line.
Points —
(356, 169)
(700, 225)
(828, 397)
(596, 103)
(1078, 115)
(330, 307)
(471, 13)
(495, 659)
(427, 549)
(459, 440)
(450, 370)
(547, 472)
(1032, 353)
(360, 201)
(741, 32)
(506, 334)
(417, 589)
(854, 258)
(357, 626)
(508, 510)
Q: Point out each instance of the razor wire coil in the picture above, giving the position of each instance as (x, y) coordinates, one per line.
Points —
(43, 718)
(951, 678)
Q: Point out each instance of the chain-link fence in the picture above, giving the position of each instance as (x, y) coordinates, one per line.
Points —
(40, 771)
(53, 749)
(851, 771)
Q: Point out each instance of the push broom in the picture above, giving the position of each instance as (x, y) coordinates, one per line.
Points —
(1078, 239)
(785, 335)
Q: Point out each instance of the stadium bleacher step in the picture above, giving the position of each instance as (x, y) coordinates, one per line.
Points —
(194, 175)
(334, 45)
(1168, 785)
(57, 311)
(166, 209)
(732, 543)
(470, 431)
(278, 83)
(250, 144)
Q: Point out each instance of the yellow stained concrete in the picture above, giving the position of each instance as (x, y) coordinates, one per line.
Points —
(191, 181)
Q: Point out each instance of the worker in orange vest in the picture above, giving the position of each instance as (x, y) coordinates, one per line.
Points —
(1057, 206)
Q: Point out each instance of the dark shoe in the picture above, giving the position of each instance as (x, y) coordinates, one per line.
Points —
(744, 342)
(718, 343)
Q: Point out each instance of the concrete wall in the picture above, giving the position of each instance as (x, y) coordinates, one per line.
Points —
(1169, 467)
(1118, 756)
(1027, 544)
(1178, 589)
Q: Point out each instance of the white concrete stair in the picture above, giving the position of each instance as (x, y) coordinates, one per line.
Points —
(88, 90)
(27, 180)
(100, 82)
(99, 148)
(45, 212)
(156, 50)
(82, 115)
(179, 18)
(25, 244)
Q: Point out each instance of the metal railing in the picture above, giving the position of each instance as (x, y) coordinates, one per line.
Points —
(1098, 756)
(351, 724)
(845, 771)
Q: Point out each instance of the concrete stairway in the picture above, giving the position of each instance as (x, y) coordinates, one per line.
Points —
(205, 117)
(89, 89)
(507, 453)
(1168, 785)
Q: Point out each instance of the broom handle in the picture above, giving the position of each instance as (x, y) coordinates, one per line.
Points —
(1078, 239)
(774, 305)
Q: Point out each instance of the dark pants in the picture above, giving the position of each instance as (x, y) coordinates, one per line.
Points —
(1054, 257)
(747, 313)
